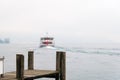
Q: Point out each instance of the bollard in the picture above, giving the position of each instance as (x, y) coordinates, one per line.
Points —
(20, 67)
(30, 60)
(61, 65)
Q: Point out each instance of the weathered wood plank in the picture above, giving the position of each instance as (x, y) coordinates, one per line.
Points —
(31, 74)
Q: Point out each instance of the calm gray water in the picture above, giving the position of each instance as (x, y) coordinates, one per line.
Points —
(82, 63)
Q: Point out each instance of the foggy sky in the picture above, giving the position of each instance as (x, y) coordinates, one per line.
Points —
(66, 20)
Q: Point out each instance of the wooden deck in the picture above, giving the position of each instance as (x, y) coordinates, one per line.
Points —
(31, 74)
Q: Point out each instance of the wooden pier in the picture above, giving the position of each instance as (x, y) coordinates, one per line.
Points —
(31, 73)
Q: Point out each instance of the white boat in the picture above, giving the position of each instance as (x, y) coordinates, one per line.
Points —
(47, 41)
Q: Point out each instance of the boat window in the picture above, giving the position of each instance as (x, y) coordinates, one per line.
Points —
(47, 38)
(47, 42)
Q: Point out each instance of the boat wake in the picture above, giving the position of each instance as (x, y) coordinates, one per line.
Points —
(101, 51)
(49, 47)
(105, 51)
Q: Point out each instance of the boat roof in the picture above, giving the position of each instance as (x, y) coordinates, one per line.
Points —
(47, 38)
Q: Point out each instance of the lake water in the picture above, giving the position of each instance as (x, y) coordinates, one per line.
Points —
(81, 63)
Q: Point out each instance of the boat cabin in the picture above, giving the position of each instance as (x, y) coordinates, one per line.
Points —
(47, 41)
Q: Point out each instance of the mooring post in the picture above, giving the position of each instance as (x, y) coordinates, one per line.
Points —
(61, 65)
(20, 67)
(30, 60)
(58, 65)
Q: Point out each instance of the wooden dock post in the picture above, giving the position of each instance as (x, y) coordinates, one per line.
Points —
(58, 64)
(20, 67)
(61, 65)
(30, 60)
